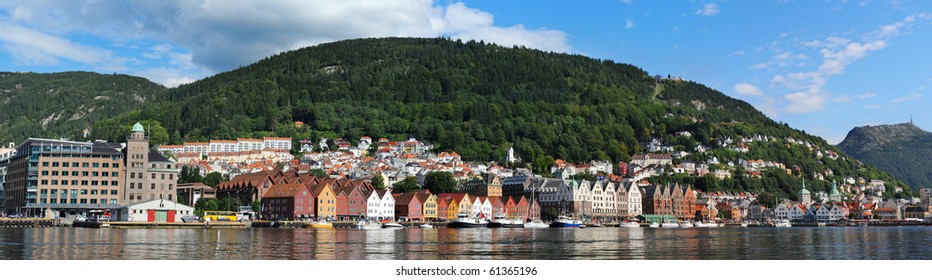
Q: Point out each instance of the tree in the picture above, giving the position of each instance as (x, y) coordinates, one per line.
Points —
(213, 179)
(378, 182)
(319, 173)
(189, 175)
(440, 182)
(407, 185)
(256, 207)
(212, 205)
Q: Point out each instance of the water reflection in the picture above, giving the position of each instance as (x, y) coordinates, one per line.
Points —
(443, 243)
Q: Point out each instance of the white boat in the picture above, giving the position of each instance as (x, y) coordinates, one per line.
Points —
(366, 225)
(701, 224)
(536, 224)
(654, 225)
(426, 226)
(464, 221)
(500, 222)
(630, 224)
(783, 223)
(669, 224)
(686, 225)
(392, 225)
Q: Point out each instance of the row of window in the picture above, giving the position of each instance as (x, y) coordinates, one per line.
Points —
(151, 197)
(134, 175)
(77, 182)
(63, 192)
(77, 201)
(82, 173)
(134, 185)
(80, 164)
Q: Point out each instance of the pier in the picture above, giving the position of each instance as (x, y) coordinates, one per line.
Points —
(29, 223)
(156, 225)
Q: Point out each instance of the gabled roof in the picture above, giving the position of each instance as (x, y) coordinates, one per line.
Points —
(406, 198)
(284, 190)
(319, 188)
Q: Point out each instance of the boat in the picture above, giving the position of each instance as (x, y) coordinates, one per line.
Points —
(654, 225)
(701, 224)
(630, 224)
(536, 224)
(366, 225)
(669, 224)
(564, 221)
(392, 225)
(782, 223)
(426, 226)
(500, 222)
(686, 224)
(464, 221)
(320, 224)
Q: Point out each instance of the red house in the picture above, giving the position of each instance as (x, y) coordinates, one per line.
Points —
(534, 210)
(523, 207)
(408, 205)
(511, 208)
(442, 211)
(498, 207)
(287, 201)
(351, 203)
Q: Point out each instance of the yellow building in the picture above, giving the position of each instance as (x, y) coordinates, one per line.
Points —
(325, 200)
(456, 203)
(429, 201)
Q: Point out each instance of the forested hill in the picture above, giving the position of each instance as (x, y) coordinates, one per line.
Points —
(902, 149)
(477, 99)
(64, 104)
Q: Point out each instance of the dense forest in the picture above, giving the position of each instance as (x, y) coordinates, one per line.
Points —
(479, 99)
(64, 104)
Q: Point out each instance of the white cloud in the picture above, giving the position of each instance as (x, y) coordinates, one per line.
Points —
(899, 100)
(737, 53)
(30, 47)
(627, 1)
(837, 53)
(748, 89)
(629, 23)
(708, 10)
(867, 95)
(223, 35)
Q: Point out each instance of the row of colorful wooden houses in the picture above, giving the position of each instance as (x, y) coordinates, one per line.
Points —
(295, 196)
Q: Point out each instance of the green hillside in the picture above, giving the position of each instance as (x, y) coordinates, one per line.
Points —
(480, 99)
(902, 150)
(64, 104)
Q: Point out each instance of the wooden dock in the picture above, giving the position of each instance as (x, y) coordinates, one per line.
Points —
(156, 225)
(29, 223)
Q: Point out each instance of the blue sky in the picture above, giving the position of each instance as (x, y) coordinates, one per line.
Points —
(821, 66)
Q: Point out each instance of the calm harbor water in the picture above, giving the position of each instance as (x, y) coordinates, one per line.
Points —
(444, 244)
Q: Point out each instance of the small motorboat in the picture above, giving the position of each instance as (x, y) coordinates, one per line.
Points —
(536, 224)
(783, 223)
(320, 224)
(564, 221)
(669, 224)
(464, 221)
(426, 226)
(630, 224)
(500, 222)
(392, 225)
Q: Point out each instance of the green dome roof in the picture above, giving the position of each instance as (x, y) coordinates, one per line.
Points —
(138, 128)
(834, 190)
(804, 190)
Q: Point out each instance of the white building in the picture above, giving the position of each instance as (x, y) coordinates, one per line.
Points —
(156, 210)
(277, 143)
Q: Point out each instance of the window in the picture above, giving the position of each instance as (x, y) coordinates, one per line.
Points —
(54, 173)
(45, 173)
(45, 182)
(163, 176)
(84, 182)
(55, 182)
(105, 174)
(45, 164)
(116, 165)
(84, 201)
(96, 165)
(132, 175)
(74, 173)
(84, 173)
(55, 164)
(84, 164)
(62, 200)
(104, 183)
(170, 186)
(44, 191)
(113, 192)
(93, 201)
(83, 191)
(153, 186)
(106, 165)
(153, 176)
(95, 173)
(64, 164)
(153, 166)
(64, 182)
(171, 176)
(132, 185)
(115, 174)
(75, 164)
(94, 183)
(73, 201)
(113, 201)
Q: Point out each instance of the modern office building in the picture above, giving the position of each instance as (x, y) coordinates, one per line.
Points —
(65, 177)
